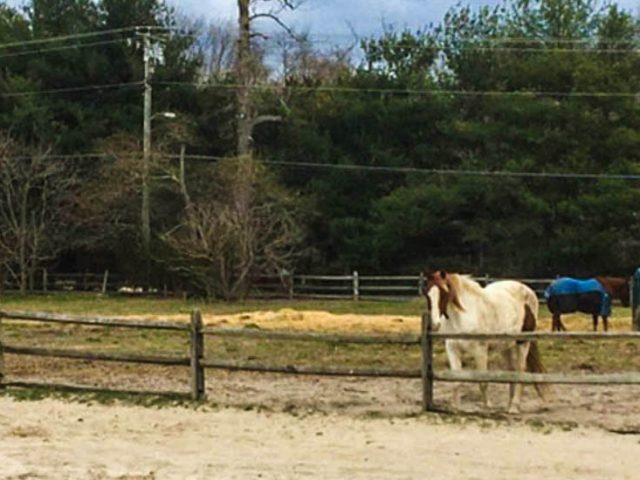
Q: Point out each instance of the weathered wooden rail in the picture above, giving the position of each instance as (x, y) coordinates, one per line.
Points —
(198, 362)
(360, 287)
(355, 286)
(98, 356)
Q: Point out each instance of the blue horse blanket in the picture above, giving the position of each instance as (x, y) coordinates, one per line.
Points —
(572, 286)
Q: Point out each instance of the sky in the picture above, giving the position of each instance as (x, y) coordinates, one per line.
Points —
(336, 18)
(339, 17)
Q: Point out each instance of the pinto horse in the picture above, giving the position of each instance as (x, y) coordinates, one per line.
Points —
(594, 295)
(458, 304)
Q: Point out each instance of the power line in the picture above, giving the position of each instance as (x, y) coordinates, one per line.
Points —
(324, 38)
(472, 46)
(431, 171)
(464, 173)
(361, 168)
(66, 47)
(71, 89)
(537, 49)
(478, 47)
(404, 91)
(78, 36)
(493, 40)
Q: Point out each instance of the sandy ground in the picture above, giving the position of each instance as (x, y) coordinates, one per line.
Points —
(56, 440)
(281, 426)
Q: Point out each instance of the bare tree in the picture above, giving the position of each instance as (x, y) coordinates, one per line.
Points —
(109, 200)
(247, 65)
(37, 194)
(246, 226)
(216, 45)
(301, 63)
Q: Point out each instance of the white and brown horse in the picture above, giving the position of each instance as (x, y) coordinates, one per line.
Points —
(458, 304)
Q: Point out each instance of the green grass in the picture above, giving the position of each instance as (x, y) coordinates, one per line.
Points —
(91, 303)
(102, 397)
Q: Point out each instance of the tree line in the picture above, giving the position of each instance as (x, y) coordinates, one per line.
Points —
(500, 140)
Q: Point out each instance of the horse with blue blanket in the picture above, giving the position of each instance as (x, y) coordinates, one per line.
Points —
(594, 296)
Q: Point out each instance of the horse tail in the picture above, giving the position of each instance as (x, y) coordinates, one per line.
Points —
(534, 365)
(530, 318)
(534, 304)
(534, 361)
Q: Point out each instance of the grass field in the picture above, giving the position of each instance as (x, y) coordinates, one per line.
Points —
(79, 303)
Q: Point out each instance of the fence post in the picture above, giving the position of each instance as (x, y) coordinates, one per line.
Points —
(290, 282)
(105, 281)
(45, 280)
(1, 358)
(426, 342)
(421, 284)
(356, 286)
(197, 352)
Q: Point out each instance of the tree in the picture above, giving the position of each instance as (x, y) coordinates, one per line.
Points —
(248, 225)
(36, 200)
(248, 67)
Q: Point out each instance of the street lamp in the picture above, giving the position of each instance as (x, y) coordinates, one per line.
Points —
(164, 115)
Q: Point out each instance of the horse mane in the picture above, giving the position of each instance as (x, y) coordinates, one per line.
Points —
(459, 283)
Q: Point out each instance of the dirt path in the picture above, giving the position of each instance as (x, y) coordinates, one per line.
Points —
(52, 440)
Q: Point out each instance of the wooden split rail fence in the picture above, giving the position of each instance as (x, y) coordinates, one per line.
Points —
(354, 286)
(361, 287)
(198, 362)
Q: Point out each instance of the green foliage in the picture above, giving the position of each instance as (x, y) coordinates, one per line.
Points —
(508, 226)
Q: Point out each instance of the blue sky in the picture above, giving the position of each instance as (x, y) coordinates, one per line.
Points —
(332, 17)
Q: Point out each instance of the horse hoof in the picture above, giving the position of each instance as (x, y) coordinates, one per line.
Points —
(513, 409)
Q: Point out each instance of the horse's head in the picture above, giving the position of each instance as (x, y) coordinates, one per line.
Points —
(625, 292)
(617, 287)
(441, 295)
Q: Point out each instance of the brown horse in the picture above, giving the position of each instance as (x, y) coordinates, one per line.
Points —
(568, 295)
(619, 288)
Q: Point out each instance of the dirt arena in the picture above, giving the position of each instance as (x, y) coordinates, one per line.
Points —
(52, 439)
(280, 426)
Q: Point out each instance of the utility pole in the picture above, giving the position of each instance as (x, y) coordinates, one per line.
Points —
(243, 70)
(146, 146)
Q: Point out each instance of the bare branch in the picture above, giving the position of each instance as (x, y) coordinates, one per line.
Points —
(277, 20)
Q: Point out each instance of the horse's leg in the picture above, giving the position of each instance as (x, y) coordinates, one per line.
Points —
(561, 327)
(521, 352)
(556, 324)
(595, 322)
(605, 323)
(510, 355)
(455, 364)
(481, 355)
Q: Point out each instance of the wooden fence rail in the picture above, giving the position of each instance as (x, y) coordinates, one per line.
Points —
(358, 286)
(196, 335)
(198, 362)
(354, 286)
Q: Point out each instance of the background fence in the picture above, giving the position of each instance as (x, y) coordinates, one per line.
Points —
(357, 286)
(198, 362)
(354, 286)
